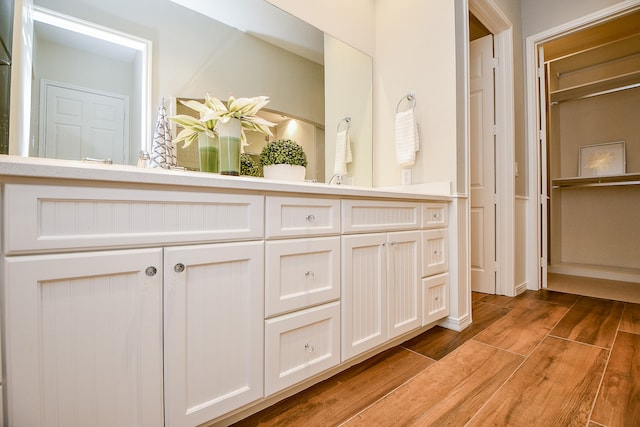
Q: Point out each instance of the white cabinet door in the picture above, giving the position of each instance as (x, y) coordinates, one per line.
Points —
(84, 339)
(364, 293)
(214, 320)
(404, 284)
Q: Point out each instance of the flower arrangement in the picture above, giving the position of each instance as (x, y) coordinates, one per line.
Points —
(212, 111)
(283, 151)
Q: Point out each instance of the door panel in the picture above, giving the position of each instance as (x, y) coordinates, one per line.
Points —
(483, 209)
(82, 123)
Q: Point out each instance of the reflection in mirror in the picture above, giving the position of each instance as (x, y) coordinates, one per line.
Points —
(194, 55)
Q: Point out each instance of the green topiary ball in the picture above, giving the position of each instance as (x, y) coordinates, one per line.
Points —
(283, 151)
(248, 166)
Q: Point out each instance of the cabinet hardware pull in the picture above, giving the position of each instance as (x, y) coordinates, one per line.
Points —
(178, 268)
(151, 271)
(436, 298)
(309, 274)
(309, 348)
(311, 217)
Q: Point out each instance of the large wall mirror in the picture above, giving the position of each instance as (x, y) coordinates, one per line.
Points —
(185, 49)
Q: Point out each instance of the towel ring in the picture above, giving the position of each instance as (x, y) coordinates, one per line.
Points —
(411, 98)
(346, 121)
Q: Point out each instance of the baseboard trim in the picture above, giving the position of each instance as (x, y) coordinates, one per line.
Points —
(522, 287)
(456, 324)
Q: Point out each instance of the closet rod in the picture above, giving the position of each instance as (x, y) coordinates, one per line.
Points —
(597, 184)
(604, 92)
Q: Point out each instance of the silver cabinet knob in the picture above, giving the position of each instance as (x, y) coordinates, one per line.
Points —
(151, 271)
(310, 217)
(309, 274)
(178, 268)
(309, 348)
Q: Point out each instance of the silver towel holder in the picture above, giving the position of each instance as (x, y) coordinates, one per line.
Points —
(411, 98)
(346, 121)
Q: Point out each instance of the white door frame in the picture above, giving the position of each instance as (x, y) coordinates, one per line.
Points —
(501, 28)
(534, 216)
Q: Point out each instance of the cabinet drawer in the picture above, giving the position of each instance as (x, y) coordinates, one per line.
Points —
(295, 216)
(370, 215)
(300, 345)
(435, 252)
(301, 273)
(435, 298)
(46, 218)
(435, 215)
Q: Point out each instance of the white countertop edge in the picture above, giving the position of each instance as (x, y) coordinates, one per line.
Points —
(30, 167)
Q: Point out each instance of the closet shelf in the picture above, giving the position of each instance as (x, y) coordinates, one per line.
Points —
(597, 181)
(611, 84)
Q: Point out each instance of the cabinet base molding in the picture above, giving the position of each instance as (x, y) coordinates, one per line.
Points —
(275, 398)
(454, 324)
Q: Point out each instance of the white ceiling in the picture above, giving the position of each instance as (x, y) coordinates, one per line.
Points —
(82, 42)
(264, 21)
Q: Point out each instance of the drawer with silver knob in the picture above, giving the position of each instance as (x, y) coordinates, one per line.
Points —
(435, 252)
(301, 344)
(300, 217)
(300, 273)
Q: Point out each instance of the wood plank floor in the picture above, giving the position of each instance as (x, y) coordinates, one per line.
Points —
(543, 358)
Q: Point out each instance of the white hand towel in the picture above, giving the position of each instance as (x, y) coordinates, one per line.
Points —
(343, 153)
(407, 143)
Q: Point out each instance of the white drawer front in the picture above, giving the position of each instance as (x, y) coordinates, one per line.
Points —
(301, 273)
(370, 215)
(435, 249)
(43, 218)
(293, 216)
(434, 215)
(300, 345)
(435, 294)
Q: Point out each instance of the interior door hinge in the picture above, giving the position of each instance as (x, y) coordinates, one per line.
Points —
(495, 199)
(495, 129)
(495, 63)
(495, 266)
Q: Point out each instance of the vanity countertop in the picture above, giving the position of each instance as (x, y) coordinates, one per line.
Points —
(30, 167)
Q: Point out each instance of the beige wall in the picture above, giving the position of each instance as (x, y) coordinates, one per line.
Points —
(350, 21)
(420, 59)
(348, 71)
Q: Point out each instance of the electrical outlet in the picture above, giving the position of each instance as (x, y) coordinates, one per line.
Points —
(406, 176)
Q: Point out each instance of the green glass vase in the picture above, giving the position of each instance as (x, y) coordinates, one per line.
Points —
(208, 148)
(229, 140)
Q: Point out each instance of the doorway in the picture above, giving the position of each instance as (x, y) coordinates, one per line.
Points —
(502, 266)
(482, 159)
(583, 81)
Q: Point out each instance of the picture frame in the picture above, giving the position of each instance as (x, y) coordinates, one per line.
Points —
(602, 159)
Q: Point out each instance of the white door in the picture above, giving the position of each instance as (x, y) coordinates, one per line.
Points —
(482, 159)
(404, 281)
(544, 191)
(83, 339)
(364, 293)
(79, 122)
(214, 323)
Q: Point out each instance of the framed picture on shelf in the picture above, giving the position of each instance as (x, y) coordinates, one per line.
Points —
(602, 159)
